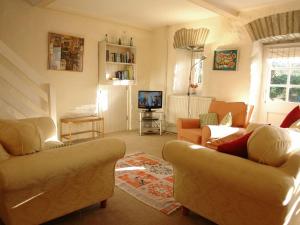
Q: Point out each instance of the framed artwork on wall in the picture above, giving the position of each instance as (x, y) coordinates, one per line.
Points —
(225, 60)
(65, 52)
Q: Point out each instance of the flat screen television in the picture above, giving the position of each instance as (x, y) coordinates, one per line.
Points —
(150, 100)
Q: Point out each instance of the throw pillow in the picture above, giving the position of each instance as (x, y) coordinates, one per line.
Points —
(291, 117)
(237, 147)
(272, 145)
(19, 138)
(227, 120)
(252, 126)
(3, 154)
(296, 124)
(208, 119)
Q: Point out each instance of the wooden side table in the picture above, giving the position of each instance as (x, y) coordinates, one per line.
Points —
(97, 128)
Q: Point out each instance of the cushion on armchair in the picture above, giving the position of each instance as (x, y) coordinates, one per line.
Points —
(272, 145)
(19, 137)
(208, 119)
(227, 120)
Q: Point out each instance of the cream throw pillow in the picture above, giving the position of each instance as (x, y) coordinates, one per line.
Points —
(19, 138)
(227, 120)
(272, 145)
(296, 124)
(3, 154)
(252, 126)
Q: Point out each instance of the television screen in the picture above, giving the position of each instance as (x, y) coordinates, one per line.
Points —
(150, 100)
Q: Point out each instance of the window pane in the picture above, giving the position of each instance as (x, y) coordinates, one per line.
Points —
(295, 77)
(277, 93)
(294, 95)
(279, 76)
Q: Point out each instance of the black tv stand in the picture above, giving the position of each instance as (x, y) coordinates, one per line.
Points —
(151, 122)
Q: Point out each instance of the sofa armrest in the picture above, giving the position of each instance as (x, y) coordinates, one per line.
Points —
(258, 181)
(218, 132)
(184, 123)
(35, 169)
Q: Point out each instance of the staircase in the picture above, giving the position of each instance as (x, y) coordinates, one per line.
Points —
(23, 92)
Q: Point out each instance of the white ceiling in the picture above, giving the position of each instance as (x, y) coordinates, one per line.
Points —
(141, 13)
(242, 5)
(150, 14)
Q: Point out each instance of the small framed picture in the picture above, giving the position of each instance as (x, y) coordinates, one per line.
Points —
(225, 60)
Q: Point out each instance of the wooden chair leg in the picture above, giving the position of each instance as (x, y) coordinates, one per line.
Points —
(103, 204)
(185, 211)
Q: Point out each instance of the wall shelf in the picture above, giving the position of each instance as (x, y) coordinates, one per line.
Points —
(117, 64)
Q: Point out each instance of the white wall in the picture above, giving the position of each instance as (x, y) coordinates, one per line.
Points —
(224, 85)
(25, 30)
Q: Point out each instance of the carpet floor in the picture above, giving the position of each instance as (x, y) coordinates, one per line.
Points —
(123, 209)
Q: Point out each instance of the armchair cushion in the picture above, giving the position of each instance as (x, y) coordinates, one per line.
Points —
(19, 137)
(272, 145)
(208, 119)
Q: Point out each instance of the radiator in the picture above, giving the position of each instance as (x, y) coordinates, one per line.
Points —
(178, 107)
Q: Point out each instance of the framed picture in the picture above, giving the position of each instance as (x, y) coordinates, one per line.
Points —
(225, 60)
(65, 52)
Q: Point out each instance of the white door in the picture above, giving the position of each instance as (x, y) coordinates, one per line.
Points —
(113, 106)
(281, 82)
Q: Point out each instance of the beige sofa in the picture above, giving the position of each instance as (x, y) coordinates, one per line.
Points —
(40, 186)
(229, 190)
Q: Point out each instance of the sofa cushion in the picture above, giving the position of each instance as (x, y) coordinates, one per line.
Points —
(291, 117)
(237, 147)
(227, 120)
(19, 137)
(3, 154)
(208, 119)
(272, 145)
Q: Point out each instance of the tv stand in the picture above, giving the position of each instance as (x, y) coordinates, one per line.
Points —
(150, 122)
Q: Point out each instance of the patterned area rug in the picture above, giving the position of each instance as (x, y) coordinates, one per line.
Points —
(148, 179)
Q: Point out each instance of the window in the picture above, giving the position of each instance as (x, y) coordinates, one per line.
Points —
(198, 71)
(284, 74)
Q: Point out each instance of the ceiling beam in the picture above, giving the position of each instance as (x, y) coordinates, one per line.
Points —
(41, 3)
(218, 8)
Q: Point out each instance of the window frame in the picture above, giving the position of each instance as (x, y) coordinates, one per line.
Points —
(288, 85)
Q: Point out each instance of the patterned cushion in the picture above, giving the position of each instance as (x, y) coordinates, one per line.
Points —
(208, 119)
(227, 120)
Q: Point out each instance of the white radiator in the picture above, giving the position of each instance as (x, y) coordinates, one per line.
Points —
(178, 106)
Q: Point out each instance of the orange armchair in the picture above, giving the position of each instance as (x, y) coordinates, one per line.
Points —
(191, 130)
